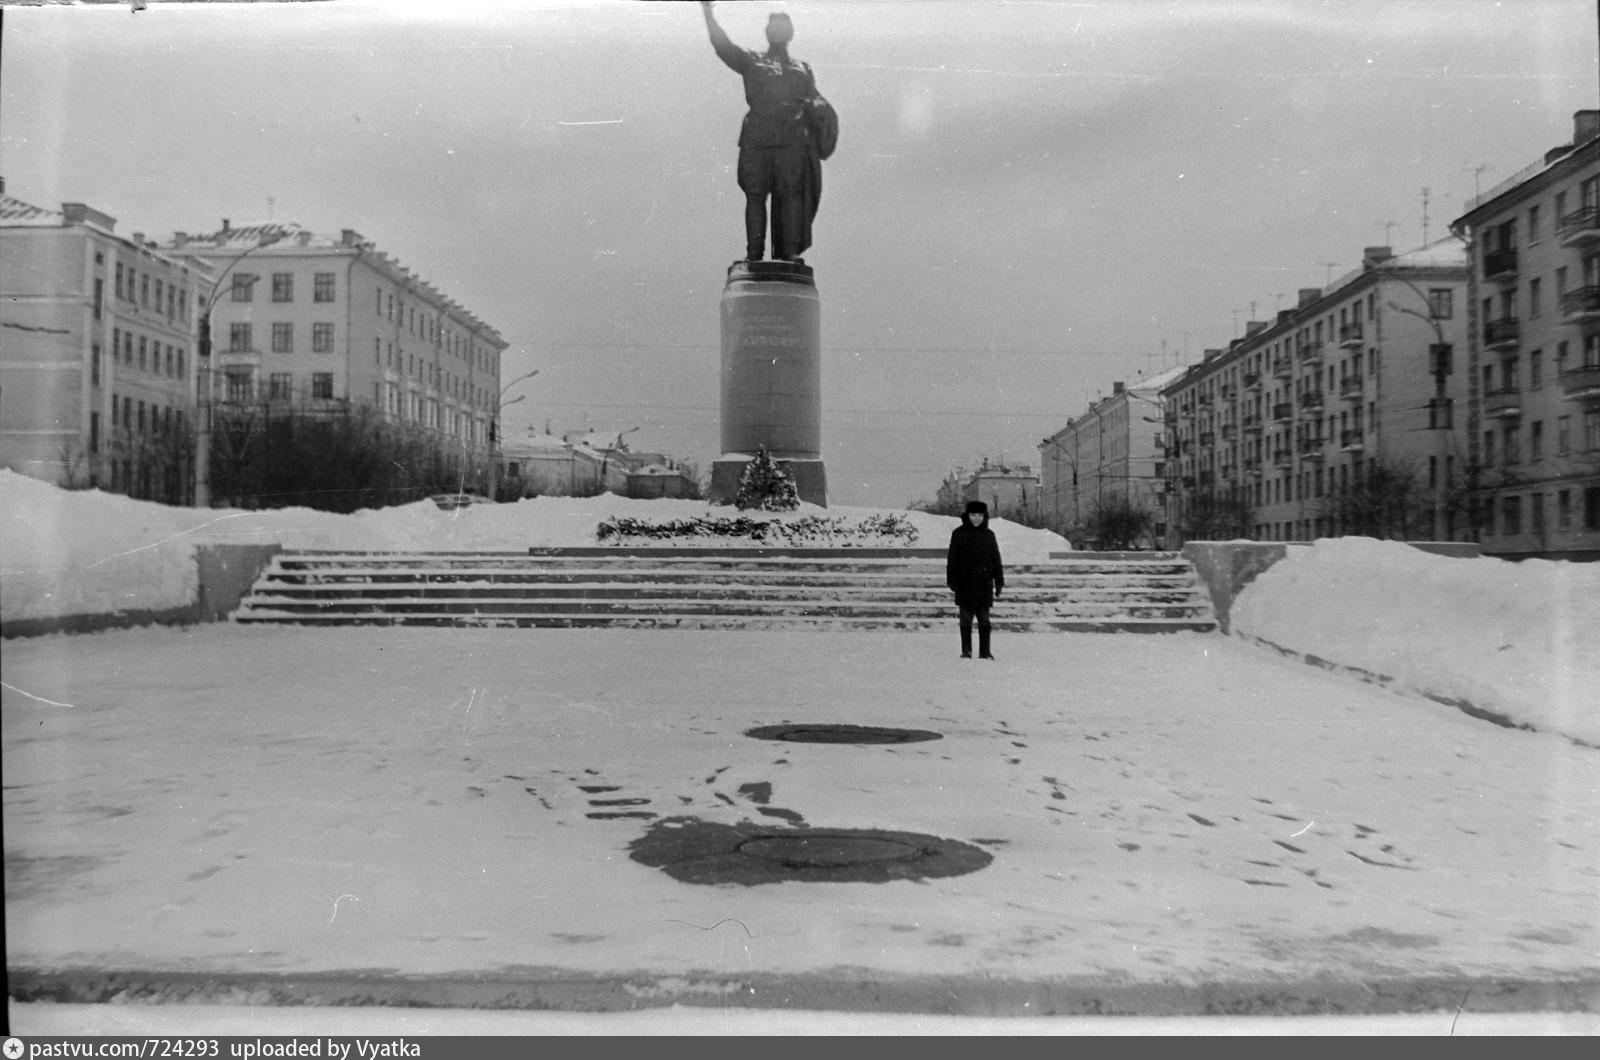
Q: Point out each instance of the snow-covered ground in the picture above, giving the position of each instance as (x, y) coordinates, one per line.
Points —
(1512, 639)
(1179, 809)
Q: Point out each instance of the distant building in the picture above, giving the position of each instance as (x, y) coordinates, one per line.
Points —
(1533, 354)
(1113, 454)
(301, 321)
(1010, 490)
(1302, 427)
(97, 353)
(585, 463)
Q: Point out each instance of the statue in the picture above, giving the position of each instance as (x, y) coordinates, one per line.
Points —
(787, 133)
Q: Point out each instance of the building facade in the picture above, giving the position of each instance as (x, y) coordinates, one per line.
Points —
(97, 353)
(1533, 357)
(323, 324)
(1113, 457)
(1010, 490)
(1343, 415)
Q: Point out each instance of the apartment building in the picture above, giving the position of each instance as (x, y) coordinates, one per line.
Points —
(1342, 415)
(1113, 455)
(1010, 490)
(1533, 355)
(97, 363)
(323, 323)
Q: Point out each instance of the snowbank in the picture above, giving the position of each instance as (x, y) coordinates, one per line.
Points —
(1515, 639)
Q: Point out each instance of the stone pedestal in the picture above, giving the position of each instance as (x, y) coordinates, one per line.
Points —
(771, 376)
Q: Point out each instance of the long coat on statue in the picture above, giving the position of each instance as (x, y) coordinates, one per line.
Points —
(972, 566)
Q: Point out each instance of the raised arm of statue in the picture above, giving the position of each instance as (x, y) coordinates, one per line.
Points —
(729, 52)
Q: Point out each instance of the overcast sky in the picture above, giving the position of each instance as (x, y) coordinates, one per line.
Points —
(1030, 200)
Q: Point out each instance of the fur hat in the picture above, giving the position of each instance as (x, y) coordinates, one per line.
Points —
(979, 507)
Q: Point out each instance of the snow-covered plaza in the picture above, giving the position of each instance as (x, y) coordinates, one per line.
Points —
(1171, 818)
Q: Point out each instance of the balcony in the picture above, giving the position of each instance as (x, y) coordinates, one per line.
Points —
(1581, 384)
(1350, 441)
(1579, 227)
(1500, 266)
(1229, 432)
(1311, 399)
(1283, 459)
(1350, 388)
(1283, 366)
(1502, 404)
(1282, 412)
(1252, 381)
(1350, 336)
(1204, 401)
(1310, 448)
(1502, 334)
(1207, 438)
(1310, 353)
(1252, 424)
(1581, 306)
(1441, 414)
(1252, 466)
(1226, 392)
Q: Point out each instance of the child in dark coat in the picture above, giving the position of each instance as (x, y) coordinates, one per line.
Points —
(974, 573)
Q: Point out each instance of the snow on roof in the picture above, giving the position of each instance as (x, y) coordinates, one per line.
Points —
(16, 213)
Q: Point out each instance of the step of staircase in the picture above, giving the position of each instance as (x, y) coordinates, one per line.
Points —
(719, 588)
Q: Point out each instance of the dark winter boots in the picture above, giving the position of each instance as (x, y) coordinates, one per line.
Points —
(966, 642)
(983, 643)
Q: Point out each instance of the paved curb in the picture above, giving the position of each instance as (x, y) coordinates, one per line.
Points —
(839, 990)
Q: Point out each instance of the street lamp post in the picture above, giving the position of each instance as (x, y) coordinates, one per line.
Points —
(1439, 354)
(202, 433)
(494, 430)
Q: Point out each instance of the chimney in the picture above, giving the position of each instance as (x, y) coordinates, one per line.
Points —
(1116, 388)
(1371, 256)
(1285, 315)
(1254, 327)
(138, 239)
(1309, 295)
(349, 237)
(180, 238)
(1585, 127)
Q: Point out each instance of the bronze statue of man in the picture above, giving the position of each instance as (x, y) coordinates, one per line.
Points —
(787, 133)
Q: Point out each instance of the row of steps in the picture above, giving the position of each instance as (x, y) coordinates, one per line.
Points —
(720, 588)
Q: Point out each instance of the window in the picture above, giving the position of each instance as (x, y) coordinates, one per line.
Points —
(1488, 448)
(99, 295)
(94, 365)
(1536, 512)
(94, 431)
(282, 338)
(1591, 507)
(1535, 302)
(322, 384)
(1441, 303)
(322, 287)
(144, 290)
(240, 384)
(1535, 370)
(280, 386)
(1536, 441)
(1564, 510)
(321, 338)
(1591, 429)
(1533, 224)
(283, 287)
(119, 280)
(243, 287)
(1511, 443)
(143, 341)
(1511, 514)
(239, 338)
(1563, 435)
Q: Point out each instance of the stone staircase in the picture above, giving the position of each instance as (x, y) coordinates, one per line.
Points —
(720, 588)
